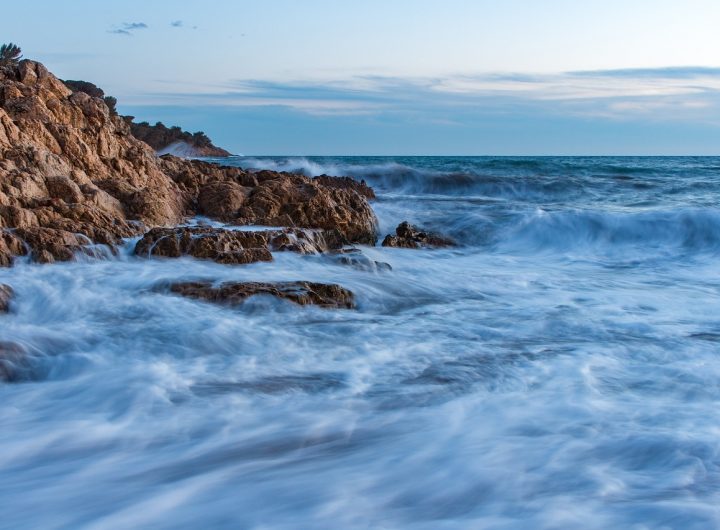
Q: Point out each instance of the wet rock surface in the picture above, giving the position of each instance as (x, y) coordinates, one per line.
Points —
(355, 259)
(6, 294)
(234, 293)
(234, 246)
(410, 236)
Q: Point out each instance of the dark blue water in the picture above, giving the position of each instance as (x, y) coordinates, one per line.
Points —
(559, 369)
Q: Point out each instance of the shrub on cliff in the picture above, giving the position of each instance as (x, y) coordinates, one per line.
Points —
(111, 102)
(10, 54)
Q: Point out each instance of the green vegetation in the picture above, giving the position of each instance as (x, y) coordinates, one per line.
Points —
(10, 54)
(160, 136)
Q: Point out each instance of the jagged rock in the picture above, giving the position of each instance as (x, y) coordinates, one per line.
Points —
(284, 199)
(409, 236)
(6, 294)
(233, 246)
(346, 183)
(233, 293)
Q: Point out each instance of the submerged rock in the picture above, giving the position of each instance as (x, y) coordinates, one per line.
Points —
(410, 236)
(234, 246)
(234, 293)
(6, 294)
(14, 362)
(354, 258)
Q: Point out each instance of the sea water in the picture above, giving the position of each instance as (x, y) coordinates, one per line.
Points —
(560, 368)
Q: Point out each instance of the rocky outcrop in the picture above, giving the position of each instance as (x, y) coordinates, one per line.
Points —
(272, 198)
(234, 293)
(234, 246)
(409, 236)
(162, 139)
(284, 199)
(173, 140)
(14, 362)
(6, 294)
(72, 176)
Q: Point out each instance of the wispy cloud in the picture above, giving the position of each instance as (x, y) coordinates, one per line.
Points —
(127, 28)
(660, 94)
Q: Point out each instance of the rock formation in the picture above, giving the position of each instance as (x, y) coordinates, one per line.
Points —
(234, 293)
(173, 140)
(72, 175)
(409, 236)
(234, 246)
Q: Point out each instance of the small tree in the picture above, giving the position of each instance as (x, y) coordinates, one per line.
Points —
(111, 102)
(10, 54)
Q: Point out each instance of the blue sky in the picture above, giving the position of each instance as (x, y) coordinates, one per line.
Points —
(398, 76)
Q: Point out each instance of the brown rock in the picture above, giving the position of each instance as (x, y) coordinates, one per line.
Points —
(283, 199)
(409, 236)
(223, 246)
(233, 246)
(234, 293)
(49, 245)
(61, 187)
(6, 294)
(221, 200)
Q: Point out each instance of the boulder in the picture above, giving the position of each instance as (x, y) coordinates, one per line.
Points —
(409, 236)
(234, 293)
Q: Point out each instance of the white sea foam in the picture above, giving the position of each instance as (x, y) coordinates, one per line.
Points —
(559, 371)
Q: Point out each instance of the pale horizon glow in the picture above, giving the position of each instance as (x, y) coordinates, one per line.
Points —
(403, 77)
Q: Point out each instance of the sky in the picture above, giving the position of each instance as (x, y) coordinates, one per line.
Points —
(398, 77)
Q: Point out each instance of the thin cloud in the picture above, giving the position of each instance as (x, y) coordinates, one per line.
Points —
(129, 26)
(126, 28)
(657, 95)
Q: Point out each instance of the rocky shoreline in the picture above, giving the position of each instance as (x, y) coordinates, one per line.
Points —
(75, 180)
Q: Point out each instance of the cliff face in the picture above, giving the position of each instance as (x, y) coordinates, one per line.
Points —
(72, 174)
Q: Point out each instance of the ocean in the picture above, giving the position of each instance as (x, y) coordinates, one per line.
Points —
(560, 368)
